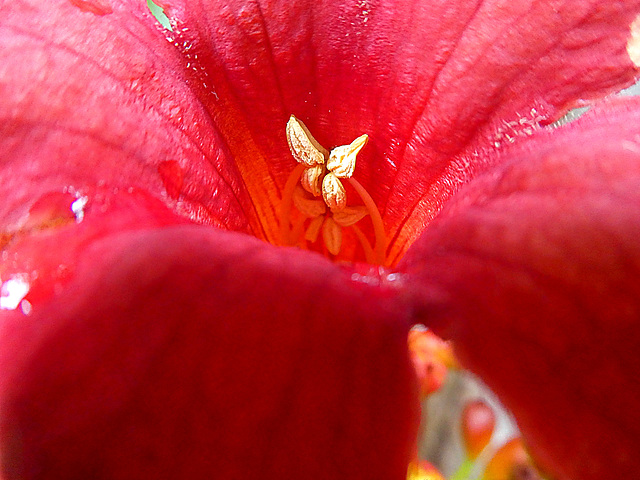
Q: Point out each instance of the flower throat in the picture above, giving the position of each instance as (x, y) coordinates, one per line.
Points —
(315, 207)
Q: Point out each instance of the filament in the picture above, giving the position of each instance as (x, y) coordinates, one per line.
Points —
(287, 200)
(376, 219)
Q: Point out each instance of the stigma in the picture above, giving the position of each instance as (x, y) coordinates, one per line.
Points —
(315, 205)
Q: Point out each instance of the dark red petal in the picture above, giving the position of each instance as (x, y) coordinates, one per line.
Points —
(534, 271)
(187, 352)
(434, 84)
(93, 94)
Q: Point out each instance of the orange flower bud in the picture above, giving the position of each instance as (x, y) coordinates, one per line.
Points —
(426, 353)
(511, 462)
(478, 422)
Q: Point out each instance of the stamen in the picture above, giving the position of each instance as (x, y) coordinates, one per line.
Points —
(320, 173)
(312, 180)
(310, 208)
(313, 230)
(342, 159)
(304, 147)
(287, 200)
(376, 219)
(333, 192)
(349, 215)
(332, 235)
(296, 231)
(366, 246)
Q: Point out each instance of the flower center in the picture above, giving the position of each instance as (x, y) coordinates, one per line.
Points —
(316, 209)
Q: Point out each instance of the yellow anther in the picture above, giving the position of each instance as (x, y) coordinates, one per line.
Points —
(304, 148)
(319, 173)
(311, 179)
(332, 236)
(350, 215)
(342, 160)
(313, 230)
(309, 207)
(333, 192)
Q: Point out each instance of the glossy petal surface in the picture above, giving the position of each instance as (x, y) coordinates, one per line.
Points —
(534, 271)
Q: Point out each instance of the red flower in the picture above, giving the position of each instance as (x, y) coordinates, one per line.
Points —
(136, 341)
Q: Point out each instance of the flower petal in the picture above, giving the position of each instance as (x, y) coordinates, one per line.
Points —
(93, 94)
(215, 104)
(534, 271)
(433, 84)
(188, 352)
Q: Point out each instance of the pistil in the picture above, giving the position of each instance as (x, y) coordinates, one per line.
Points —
(315, 190)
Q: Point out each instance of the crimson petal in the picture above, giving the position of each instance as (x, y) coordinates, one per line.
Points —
(188, 352)
(93, 96)
(534, 271)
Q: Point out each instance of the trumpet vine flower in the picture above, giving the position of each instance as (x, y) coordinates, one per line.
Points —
(168, 306)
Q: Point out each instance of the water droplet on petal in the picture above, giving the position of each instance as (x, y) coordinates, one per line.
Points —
(78, 206)
(25, 306)
(13, 291)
